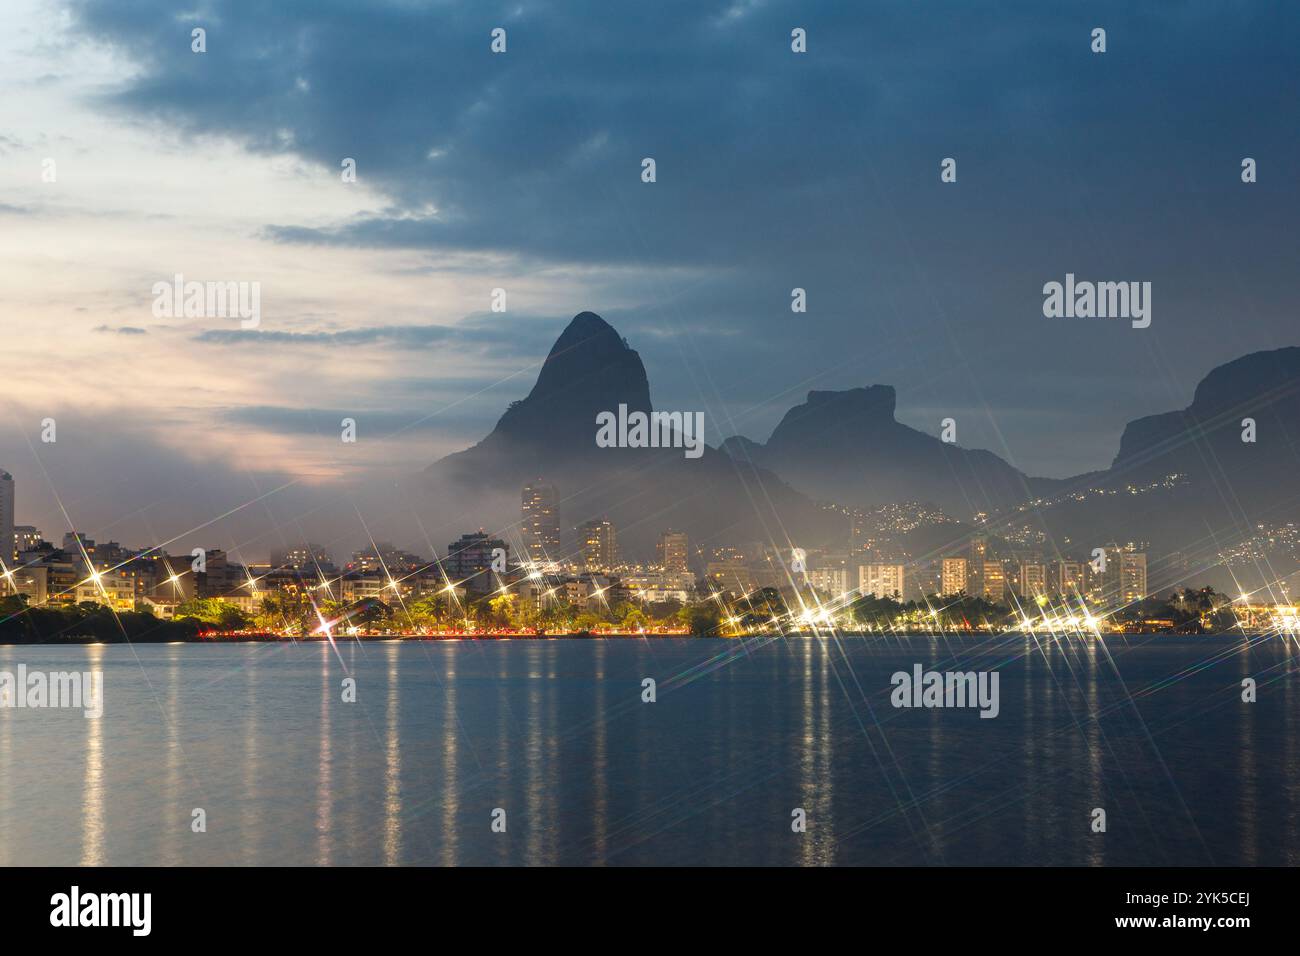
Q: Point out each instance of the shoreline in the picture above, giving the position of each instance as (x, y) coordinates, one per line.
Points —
(89, 640)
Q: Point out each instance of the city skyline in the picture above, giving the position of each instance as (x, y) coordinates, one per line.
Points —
(478, 588)
(830, 587)
(893, 543)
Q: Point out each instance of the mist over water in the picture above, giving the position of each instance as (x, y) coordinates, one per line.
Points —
(555, 732)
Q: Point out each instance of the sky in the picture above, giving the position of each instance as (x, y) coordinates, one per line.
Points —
(522, 171)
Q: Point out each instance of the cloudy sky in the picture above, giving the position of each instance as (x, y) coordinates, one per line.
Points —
(522, 171)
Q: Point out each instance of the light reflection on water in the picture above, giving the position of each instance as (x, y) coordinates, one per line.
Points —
(555, 732)
(92, 800)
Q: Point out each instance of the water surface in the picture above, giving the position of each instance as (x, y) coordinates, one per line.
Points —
(1153, 730)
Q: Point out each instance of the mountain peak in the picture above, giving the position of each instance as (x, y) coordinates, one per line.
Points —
(587, 343)
(585, 325)
(1272, 373)
(590, 369)
(873, 401)
(1257, 385)
(826, 418)
(592, 361)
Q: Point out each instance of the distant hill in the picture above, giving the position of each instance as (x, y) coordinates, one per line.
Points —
(848, 447)
(1207, 435)
(1186, 481)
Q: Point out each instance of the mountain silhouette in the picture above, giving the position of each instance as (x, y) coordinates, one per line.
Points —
(1186, 481)
(551, 434)
(1182, 481)
(1263, 386)
(589, 369)
(847, 446)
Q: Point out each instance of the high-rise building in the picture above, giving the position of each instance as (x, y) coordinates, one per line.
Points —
(599, 545)
(881, 580)
(924, 578)
(1067, 578)
(993, 585)
(674, 551)
(730, 576)
(954, 575)
(7, 544)
(1133, 584)
(833, 580)
(470, 560)
(1033, 579)
(26, 538)
(1123, 580)
(975, 568)
(540, 519)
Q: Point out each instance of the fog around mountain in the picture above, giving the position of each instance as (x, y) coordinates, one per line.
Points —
(1182, 481)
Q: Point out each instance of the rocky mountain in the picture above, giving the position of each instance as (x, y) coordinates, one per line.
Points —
(1192, 480)
(848, 447)
(1207, 435)
(551, 434)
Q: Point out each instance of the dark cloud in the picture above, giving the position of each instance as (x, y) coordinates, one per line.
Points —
(821, 171)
